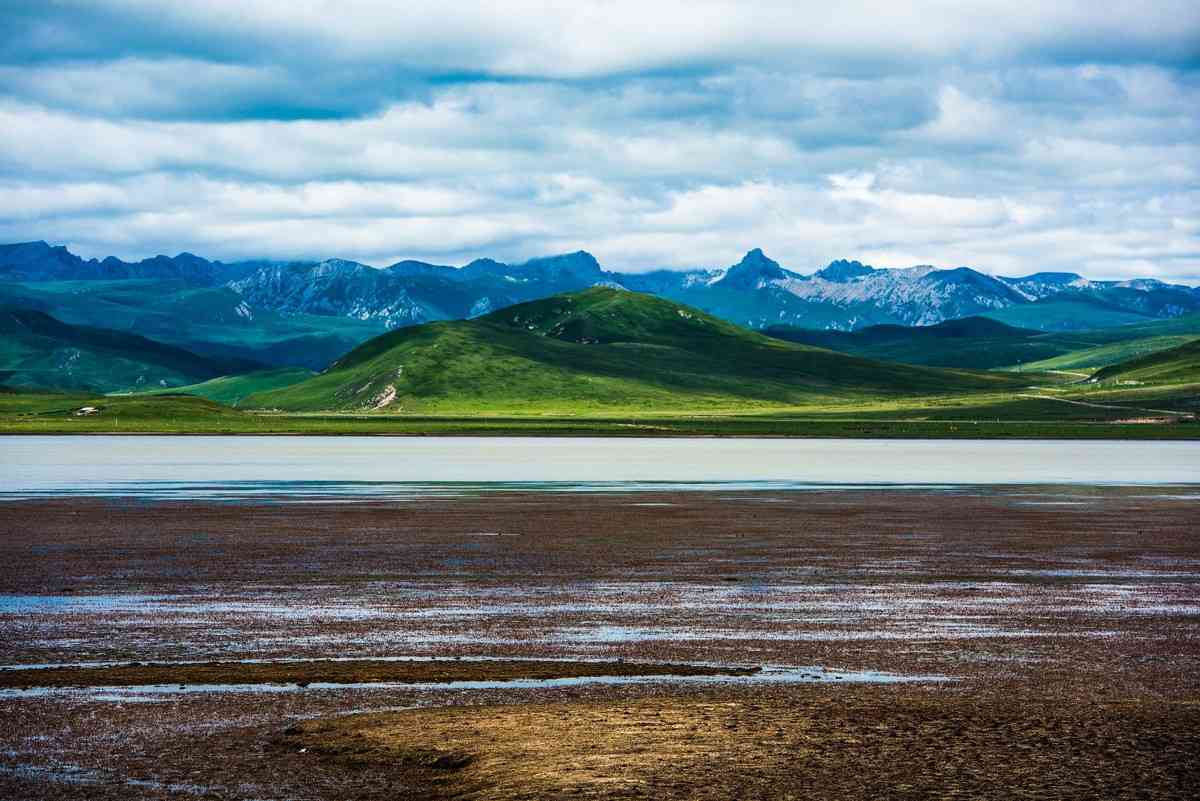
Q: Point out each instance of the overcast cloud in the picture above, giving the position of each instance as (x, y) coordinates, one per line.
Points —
(1004, 136)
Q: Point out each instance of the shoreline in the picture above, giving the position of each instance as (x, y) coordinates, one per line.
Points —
(1076, 432)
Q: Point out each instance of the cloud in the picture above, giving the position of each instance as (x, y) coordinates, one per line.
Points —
(667, 134)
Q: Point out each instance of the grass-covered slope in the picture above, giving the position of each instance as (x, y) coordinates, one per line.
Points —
(36, 350)
(984, 343)
(970, 342)
(601, 349)
(231, 390)
(214, 321)
(1091, 350)
(1179, 365)
(1066, 314)
(1089, 359)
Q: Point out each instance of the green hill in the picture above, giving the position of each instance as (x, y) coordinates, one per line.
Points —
(1179, 365)
(1090, 359)
(969, 342)
(36, 350)
(1066, 314)
(213, 321)
(601, 349)
(231, 390)
(984, 343)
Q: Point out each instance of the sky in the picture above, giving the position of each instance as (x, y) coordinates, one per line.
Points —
(1011, 136)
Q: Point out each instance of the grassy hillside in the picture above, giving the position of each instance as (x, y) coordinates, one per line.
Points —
(983, 343)
(210, 320)
(1066, 315)
(601, 349)
(232, 389)
(971, 342)
(1088, 360)
(37, 350)
(1179, 365)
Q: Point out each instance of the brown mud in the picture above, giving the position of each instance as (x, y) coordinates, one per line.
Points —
(863, 743)
(1067, 617)
(324, 671)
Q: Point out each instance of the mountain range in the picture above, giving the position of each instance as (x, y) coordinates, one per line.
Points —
(167, 322)
(757, 292)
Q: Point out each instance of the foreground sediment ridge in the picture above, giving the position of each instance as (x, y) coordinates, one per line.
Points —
(1068, 619)
(860, 743)
(326, 671)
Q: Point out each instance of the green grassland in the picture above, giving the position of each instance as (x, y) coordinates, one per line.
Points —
(973, 342)
(231, 390)
(603, 351)
(1001, 415)
(1065, 315)
(207, 320)
(1180, 365)
(983, 343)
(1088, 360)
(37, 350)
(614, 363)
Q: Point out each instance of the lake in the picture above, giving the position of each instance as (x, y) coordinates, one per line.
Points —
(182, 466)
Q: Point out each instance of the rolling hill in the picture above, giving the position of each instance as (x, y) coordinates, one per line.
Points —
(231, 390)
(985, 343)
(1068, 313)
(1180, 365)
(969, 342)
(601, 348)
(214, 321)
(38, 351)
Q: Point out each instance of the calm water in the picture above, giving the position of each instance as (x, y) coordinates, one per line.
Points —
(171, 466)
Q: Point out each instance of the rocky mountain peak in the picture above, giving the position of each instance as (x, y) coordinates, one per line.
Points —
(841, 271)
(580, 264)
(754, 270)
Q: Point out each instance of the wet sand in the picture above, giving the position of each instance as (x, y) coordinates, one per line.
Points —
(859, 743)
(1051, 635)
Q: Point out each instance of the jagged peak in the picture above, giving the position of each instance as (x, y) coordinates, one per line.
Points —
(756, 256)
(842, 270)
(754, 269)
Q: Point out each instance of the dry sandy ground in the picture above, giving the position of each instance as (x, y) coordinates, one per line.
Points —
(1062, 626)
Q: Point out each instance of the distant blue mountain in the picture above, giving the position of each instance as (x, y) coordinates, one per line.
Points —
(756, 292)
(38, 261)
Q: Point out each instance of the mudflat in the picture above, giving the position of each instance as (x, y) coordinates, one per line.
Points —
(859, 743)
(963, 642)
(360, 671)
